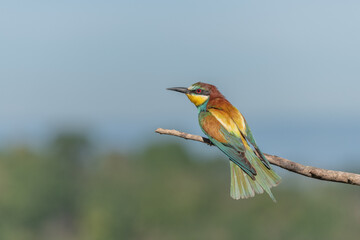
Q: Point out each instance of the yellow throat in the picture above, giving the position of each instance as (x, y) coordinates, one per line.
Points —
(197, 99)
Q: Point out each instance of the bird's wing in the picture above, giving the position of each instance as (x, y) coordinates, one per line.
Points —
(251, 139)
(246, 132)
(224, 133)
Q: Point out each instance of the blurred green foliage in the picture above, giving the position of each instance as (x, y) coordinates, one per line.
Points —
(162, 192)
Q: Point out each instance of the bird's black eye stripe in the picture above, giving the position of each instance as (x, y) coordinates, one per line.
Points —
(199, 91)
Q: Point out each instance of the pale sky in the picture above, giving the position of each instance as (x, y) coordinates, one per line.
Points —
(105, 65)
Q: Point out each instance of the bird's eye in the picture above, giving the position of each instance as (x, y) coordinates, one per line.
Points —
(198, 90)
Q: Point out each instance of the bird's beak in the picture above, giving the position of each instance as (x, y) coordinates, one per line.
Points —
(179, 89)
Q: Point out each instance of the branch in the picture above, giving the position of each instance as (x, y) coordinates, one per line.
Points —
(308, 171)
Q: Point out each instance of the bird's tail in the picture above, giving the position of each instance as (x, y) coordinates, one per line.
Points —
(243, 186)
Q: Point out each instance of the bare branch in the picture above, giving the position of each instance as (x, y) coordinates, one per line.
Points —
(312, 172)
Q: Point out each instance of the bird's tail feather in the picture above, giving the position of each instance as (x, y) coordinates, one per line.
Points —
(242, 186)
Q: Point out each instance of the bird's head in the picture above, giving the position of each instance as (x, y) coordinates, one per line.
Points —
(198, 93)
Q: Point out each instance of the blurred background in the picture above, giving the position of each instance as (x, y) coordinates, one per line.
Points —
(82, 89)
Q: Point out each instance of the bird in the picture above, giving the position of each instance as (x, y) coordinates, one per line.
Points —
(227, 129)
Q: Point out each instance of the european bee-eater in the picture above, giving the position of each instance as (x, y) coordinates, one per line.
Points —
(228, 130)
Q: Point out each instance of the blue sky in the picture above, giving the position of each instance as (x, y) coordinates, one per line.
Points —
(104, 66)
